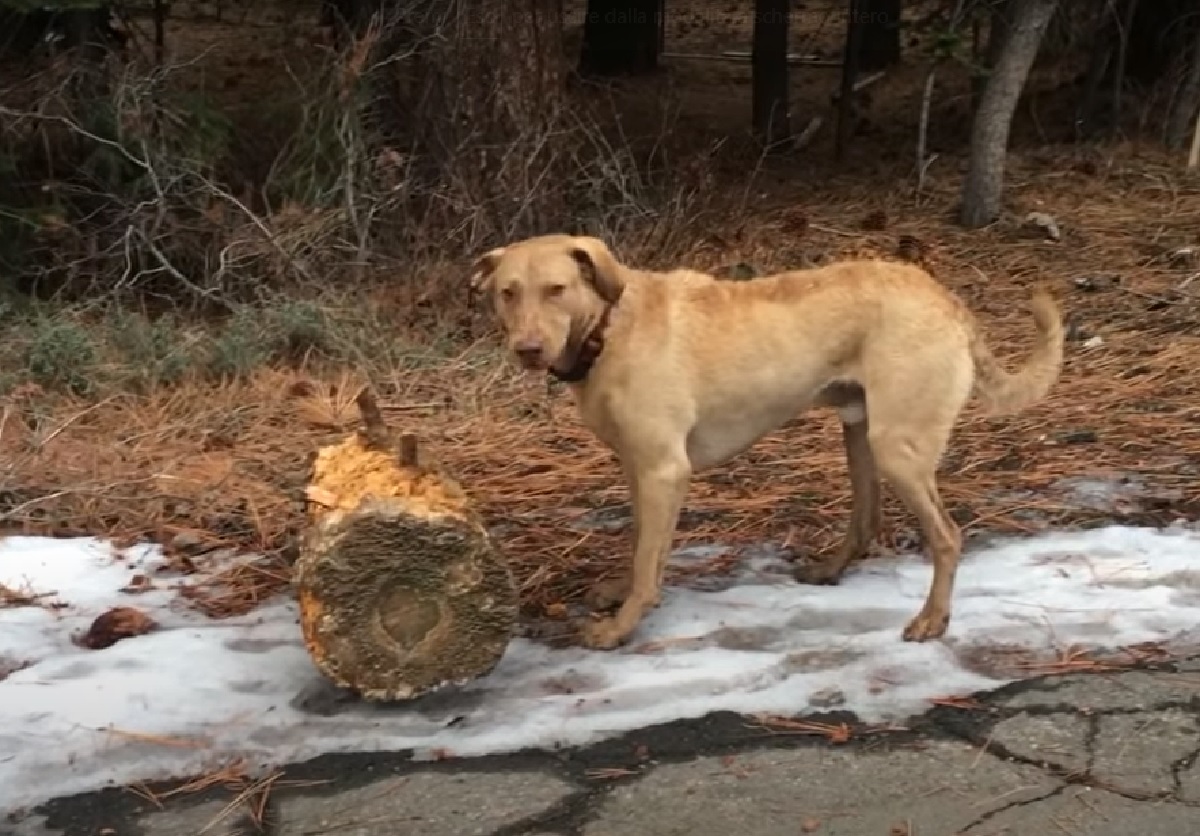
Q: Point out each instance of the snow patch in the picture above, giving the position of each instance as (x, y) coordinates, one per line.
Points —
(198, 693)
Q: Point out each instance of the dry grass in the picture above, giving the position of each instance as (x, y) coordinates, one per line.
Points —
(227, 462)
(224, 464)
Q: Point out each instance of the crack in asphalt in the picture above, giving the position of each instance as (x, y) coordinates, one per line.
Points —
(1090, 738)
(1181, 766)
(579, 808)
(637, 754)
(572, 810)
(984, 818)
(1085, 777)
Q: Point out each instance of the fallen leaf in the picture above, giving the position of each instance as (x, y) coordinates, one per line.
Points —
(966, 703)
(809, 825)
(116, 624)
(841, 734)
(138, 584)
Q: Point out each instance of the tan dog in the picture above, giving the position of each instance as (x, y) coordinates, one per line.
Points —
(678, 372)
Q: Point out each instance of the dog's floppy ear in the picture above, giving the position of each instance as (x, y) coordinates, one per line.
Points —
(599, 267)
(482, 269)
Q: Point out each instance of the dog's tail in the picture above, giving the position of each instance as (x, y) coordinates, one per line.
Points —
(1004, 392)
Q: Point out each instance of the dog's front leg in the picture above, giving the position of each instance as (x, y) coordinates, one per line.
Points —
(657, 493)
(610, 593)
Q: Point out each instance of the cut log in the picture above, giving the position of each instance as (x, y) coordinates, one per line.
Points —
(401, 589)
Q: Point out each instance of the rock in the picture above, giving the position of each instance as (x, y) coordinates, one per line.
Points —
(1041, 225)
(1092, 284)
(190, 543)
(1184, 257)
(827, 698)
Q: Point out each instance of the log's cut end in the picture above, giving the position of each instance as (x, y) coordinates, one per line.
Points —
(401, 589)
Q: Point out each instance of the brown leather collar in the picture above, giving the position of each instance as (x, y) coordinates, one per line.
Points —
(589, 352)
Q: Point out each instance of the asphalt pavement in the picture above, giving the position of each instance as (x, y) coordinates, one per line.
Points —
(1097, 754)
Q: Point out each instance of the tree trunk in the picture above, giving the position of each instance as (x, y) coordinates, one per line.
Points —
(850, 65)
(87, 31)
(983, 187)
(347, 18)
(1118, 82)
(999, 24)
(771, 81)
(401, 589)
(880, 46)
(1187, 102)
(1159, 33)
(1086, 115)
(621, 37)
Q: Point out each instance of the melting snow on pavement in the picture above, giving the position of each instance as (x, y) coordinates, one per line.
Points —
(198, 693)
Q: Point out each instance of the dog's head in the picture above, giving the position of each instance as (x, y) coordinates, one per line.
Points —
(548, 293)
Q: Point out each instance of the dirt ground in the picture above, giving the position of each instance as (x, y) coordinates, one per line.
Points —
(208, 465)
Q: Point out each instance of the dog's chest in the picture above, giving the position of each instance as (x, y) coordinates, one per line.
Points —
(598, 417)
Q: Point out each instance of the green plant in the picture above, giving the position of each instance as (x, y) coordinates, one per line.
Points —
(241, 345)
(297, 329)
(61, 354)
(153, 352)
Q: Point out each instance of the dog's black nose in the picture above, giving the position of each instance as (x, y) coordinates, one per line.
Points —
(529, 352)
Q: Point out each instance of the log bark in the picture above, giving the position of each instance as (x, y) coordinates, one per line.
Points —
(983, 186)
(401, 589)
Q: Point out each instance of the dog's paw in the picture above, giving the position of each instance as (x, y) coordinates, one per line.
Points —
(607, 594)
(818, 573)
(602, 634)
(927, 626)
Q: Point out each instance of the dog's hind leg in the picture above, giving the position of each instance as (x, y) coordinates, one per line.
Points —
(912, 477)
(907, 438)
(866, 504)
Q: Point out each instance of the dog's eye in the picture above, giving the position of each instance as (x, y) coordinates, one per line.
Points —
(556, 290)
(508, 294)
